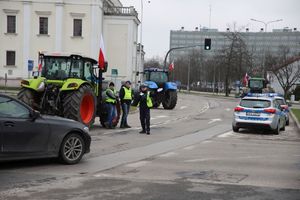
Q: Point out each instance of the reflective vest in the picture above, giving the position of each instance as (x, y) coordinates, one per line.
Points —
(108, 99)
(149, 100)
(127, 93)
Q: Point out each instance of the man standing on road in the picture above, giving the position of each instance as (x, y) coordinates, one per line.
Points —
(143, 99)
(111, 100)
(126, 98)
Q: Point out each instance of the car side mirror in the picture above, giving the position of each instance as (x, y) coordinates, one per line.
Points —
(35, 114)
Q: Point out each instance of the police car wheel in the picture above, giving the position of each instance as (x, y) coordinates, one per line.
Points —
(277, 130)
(235, 129)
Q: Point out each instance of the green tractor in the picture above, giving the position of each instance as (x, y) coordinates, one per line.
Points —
(68, 86)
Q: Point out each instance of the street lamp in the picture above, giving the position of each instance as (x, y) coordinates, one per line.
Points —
(267, 23)
(141, 33)
(266, 26)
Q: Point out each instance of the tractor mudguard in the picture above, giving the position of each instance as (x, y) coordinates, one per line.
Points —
(32, 83)
(151, 84)
(170, 86)
(73, 84)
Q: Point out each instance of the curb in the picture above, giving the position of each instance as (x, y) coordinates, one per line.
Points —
(296, 121)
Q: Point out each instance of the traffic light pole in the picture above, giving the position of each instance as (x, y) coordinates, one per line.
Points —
(177, 48)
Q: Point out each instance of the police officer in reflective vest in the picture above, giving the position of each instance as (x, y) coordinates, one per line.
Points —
(111, 100)
(143, 99)
(126, 98)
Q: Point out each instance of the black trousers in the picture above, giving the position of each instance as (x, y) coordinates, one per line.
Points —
(145, 119)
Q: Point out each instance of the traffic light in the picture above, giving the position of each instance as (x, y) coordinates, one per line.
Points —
(207, 44)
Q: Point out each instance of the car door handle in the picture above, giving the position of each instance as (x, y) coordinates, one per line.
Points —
(9, 124)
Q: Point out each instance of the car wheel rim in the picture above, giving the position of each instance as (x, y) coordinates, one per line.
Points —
(73, 148)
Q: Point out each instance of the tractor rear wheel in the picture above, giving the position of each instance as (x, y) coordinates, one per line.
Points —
(80, 105)
(30, 97)
(170, 100)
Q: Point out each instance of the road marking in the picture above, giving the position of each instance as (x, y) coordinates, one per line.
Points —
(197, 160)
(189, 148)
(224, 135)
(214, 120)
(228, 109)
(102, 175)
(182, 107)
(169, 154)
(158, 117)
(206, 141)
(137, 164)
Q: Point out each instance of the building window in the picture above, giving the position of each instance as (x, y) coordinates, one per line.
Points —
(77, 27)
(43, 25)
(10, 58)
(11, 24)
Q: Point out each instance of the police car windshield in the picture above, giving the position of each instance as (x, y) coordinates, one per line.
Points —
(255, 103)
(280, 102)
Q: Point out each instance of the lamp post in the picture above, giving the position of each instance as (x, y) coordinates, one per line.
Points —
(141, 34)
(266, 26)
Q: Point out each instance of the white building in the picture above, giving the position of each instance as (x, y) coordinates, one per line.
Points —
(73, 26)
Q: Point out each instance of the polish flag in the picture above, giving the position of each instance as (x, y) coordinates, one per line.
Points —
(101, 58)
(246, 79)
(39, 63)
(171, 66)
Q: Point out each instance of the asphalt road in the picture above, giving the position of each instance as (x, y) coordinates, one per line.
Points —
(191, 154)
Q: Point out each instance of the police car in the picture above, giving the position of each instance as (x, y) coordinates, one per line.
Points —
(285, 106)
(259, 111)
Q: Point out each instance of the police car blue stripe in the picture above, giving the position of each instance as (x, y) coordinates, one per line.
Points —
(254, 118)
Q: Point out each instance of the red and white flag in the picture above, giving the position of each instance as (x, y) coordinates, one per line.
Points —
(39, 63)
(101, 58)
(171, 66)
(246, 79)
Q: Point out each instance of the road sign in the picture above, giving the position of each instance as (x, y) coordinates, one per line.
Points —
(114, 72)
(30, 65)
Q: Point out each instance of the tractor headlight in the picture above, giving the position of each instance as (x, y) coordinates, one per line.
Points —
(86, 129)
(41, 87)
(159, 89)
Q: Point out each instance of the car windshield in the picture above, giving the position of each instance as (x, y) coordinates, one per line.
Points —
(256, 84)
(255, 103)
(280, 101)
(159, 77)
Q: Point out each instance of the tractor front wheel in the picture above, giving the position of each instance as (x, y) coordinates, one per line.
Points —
(80, 105)
(170, 100)
(30, 97)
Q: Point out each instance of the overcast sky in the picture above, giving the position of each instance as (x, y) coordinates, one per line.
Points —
(161, 16)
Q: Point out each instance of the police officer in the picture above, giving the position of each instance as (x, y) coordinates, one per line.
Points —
(143, 99)
(126, 98)
(111, 100)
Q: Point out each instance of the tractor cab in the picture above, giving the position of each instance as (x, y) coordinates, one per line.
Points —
(62, 67)
(256, 85)
(156, 75)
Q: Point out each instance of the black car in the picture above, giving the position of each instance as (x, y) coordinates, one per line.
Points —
(25, 133)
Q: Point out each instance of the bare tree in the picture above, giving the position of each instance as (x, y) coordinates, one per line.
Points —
(155, 62)
(286, 73)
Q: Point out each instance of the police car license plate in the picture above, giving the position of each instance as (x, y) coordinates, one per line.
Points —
(252, 114)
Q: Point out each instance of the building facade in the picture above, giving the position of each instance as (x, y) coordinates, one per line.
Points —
(257, 42)
(71, 26)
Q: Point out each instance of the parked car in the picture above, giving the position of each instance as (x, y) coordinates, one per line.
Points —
(285, 106)
(259, 111)
(26, 134)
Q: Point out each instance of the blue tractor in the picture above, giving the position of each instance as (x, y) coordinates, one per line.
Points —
(165, 92)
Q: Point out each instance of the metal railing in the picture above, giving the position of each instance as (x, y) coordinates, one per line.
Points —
(120, 11)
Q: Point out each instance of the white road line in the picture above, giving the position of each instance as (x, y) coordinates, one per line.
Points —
(182, 107)
(228, 109)
(138, 164)
(214, 120)
(158, 117)
(224, 135)
(197, 160)
(206, 141)
(102, 175)
(189, 148)
(169, 154)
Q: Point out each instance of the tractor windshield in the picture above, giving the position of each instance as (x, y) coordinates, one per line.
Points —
(56, 68)
(158, 77)
(256, 84)
(60, 68)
